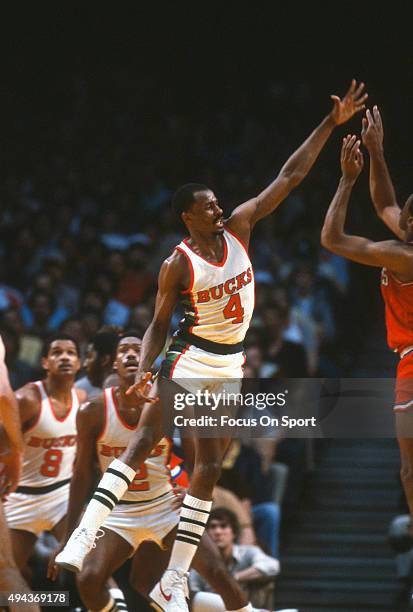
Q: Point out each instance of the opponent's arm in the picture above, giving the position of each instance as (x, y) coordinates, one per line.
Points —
(390, 253)
(9, 417)
(173, 278)
(381, 186)
(298, 165)
(89, 423)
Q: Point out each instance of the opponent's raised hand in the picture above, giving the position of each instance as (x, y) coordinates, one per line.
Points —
(351, 158)
(372, 130)
(352, 103)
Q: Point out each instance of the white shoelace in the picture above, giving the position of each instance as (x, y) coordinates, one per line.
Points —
(83, 536)
(180, 580)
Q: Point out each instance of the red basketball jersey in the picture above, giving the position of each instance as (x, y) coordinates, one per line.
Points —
(398, 299)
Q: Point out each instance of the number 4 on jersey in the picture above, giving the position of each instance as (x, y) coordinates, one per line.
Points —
(234, 310)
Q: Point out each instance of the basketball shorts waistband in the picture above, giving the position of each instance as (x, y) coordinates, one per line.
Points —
(42, 490)
(207, 345)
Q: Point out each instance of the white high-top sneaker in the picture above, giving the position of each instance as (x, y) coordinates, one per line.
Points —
(170, 594)
(77, 547)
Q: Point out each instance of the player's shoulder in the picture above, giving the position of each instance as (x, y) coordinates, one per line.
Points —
(81, 394)
(174, 270)
(29, 393)
(91, 414)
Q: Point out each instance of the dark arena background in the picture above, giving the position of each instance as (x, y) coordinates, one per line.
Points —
(104, 114)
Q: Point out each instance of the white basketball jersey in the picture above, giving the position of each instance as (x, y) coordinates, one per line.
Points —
(50, 445)
(152, 480)
(220, 300)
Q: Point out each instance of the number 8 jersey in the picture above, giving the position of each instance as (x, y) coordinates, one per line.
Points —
(220, 300)
(50, 444)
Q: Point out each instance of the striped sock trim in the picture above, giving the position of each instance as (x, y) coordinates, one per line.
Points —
(186, 540)
(104, 501)
(183, 519)
(195, 509)
(200, 505)
(119, 475)
(189, 534)
(107, 493)
(121, 604)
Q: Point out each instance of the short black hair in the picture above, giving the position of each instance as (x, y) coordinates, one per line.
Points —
(184, 197)
(58, 336)
(225, 516)
(105, 343)
(129, 333)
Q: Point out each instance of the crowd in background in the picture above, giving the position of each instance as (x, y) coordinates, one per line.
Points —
(85, 222)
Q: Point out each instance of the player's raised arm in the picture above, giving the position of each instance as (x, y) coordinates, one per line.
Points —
(390, 253)
(299, 164)
(9, 418)
(173, 278)
(381, 186)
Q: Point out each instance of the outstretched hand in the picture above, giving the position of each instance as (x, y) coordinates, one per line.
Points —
(351, 158)
(372, 130)
(352, 103)
(142, 387)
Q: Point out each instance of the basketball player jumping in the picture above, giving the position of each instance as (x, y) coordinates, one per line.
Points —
(211, 273)
(395, 257)
(147, 512)
(48, 414)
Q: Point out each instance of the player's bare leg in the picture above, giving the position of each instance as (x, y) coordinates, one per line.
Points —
(11, 581)
(23, 543)
(109, 554)
(406, 470)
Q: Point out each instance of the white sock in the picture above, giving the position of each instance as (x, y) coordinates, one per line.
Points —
(193, 519)
(119, 598)
(109, 491)
(110, 606)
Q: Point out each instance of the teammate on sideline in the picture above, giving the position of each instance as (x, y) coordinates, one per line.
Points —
(48, 414)
(147, 511)
(211, 272)
(11, 580)
(395, 257)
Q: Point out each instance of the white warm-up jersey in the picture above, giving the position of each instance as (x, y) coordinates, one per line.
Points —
(152, 480)
(220, 300)
(50, 444)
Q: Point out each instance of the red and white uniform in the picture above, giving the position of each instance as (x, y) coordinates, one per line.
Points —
(145, 511)
(41, 498)
(398, 299)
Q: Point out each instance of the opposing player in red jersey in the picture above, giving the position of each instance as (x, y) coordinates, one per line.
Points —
(395, 257)
(210, 272)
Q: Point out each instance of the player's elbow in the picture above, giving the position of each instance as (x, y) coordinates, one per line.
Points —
(291, 178)
(326, 239)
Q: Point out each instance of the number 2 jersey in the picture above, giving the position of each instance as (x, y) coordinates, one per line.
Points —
(50, 444)
(153, 479)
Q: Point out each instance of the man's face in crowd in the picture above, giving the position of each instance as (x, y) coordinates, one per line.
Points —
(221, 533)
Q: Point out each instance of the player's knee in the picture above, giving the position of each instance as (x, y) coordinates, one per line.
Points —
(209, 471)
(140, 449)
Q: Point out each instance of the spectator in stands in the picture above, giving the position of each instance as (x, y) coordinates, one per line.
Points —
(243, 474)
(20, 372)
(249, 565)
